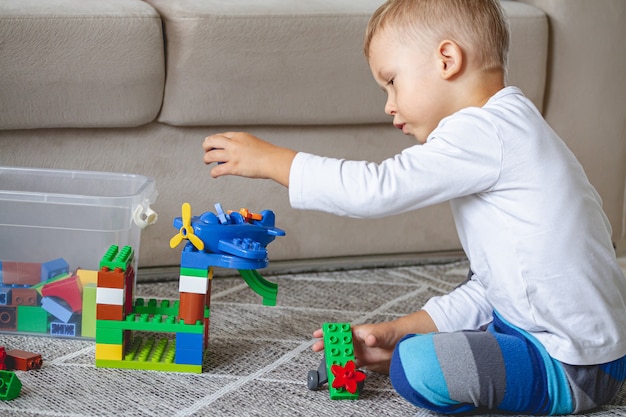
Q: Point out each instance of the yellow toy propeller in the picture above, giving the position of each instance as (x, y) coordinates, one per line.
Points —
(186, 231)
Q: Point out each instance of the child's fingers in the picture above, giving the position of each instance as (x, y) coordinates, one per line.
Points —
(214, 155)
(372, 335)
(219, 170)
(218, 140)
(318, 346)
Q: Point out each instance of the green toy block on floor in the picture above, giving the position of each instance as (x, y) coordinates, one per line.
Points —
(10, 385)
(338, 349)
(32, 319)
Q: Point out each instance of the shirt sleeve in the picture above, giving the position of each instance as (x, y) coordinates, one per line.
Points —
(462, 157)
(465, 308)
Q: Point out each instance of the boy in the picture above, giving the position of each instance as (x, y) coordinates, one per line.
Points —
(540, 327)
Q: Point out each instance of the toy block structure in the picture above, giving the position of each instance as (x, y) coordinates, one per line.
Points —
(233, 240)
(236, 240)
(119, 318)
(338, 367)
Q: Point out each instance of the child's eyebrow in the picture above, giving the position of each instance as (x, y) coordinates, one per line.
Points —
(383, 75)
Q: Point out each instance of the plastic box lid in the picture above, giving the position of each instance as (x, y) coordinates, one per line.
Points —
(75, 215)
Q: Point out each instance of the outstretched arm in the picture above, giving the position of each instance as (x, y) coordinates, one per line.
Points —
(245, 155)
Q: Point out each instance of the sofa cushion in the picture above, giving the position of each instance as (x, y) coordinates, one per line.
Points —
(283, 62)
(88, 63)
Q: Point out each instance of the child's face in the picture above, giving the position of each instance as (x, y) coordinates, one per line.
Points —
(410, 75)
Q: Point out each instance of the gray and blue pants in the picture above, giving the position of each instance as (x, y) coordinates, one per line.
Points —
(500, 369)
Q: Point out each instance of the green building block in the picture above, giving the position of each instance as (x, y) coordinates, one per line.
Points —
(147, 323)
(164, 307)
(10, 385)
(266, 289)
(195, 272)
(32, 319)
(116, 258)
(149, 354)
(110, 336)
(338, 350)
(88, 319)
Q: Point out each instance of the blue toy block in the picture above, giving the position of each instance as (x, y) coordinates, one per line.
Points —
(221, 215)
(189, 341)
(246, 248)
(192, 258)
(189, 348)
(54, 268)
(189, 357)
(56, 307)
(58, 328)
(5, 296)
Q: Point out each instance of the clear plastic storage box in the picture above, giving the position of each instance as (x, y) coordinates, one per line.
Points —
(55, 226)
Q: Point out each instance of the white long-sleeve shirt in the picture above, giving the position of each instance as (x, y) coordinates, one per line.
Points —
(530, 222)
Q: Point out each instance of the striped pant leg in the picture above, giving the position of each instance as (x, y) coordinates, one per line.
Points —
(595, 385)
(498, 369)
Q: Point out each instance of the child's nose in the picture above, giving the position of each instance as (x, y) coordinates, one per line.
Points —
(390, 107)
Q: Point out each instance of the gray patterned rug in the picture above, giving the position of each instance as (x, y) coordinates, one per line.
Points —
(258, 356)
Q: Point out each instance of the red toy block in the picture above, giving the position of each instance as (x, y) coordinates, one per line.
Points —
(109, 312)
(111, 278)
(69, 290)
(119, 279)
(22, 361)
(3, 356)
(21, 273)
(130, 286)
(191, 307)
(24, 297)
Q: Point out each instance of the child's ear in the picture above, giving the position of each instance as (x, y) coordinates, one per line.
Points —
(450, 57)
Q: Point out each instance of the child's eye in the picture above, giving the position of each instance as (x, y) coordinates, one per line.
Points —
(390, 82)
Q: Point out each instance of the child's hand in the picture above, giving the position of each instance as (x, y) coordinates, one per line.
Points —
(246, 155)
(373, 345)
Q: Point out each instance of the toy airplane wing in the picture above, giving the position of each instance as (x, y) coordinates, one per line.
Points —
(243, 248)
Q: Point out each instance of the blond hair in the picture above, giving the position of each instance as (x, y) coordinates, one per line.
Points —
(479, 27)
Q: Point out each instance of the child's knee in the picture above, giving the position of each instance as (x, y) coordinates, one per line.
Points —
(417, 376)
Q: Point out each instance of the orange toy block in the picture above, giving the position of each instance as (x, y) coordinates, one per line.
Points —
(24, 297)
(21, 273)
(22, 360)
(191, 307)
(109, 312)
(111, 278)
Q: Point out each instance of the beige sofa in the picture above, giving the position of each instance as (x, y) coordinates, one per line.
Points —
(133, 86)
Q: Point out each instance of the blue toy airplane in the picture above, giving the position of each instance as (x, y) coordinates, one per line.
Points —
(240, 234)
